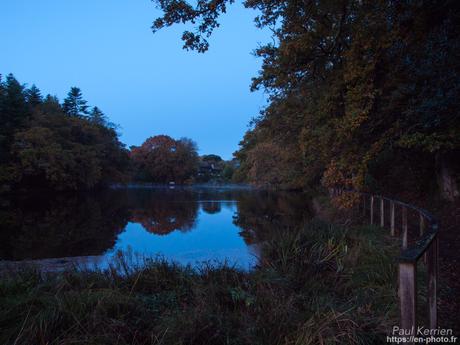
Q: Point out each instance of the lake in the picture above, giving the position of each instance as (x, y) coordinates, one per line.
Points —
(188, 225)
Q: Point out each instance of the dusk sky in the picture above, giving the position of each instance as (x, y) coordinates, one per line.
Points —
(144, 82)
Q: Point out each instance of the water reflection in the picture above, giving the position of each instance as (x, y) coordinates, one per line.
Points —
(163, 211)
(187, 225)
(39, 227)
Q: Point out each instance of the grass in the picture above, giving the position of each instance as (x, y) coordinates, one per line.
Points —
(320, 284)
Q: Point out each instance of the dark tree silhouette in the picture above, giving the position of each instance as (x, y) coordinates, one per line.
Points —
(163, 159)
(74, 104)
(361, 92)
(34, 96)
(41, 146)
(98, 117)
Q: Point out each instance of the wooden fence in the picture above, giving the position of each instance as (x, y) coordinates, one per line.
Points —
(382, 211)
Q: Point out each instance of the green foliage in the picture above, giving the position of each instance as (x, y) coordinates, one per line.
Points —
(227, 172)
(42, 147)
(13, 112)
(74, 104)
(34, 96)
(98, 117)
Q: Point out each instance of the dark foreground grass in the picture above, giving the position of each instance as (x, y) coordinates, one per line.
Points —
(320, 284)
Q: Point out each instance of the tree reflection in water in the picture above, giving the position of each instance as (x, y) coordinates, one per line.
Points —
(211, 207)
(164, 211)
(262, 212)
(36, 227)
(226, 221)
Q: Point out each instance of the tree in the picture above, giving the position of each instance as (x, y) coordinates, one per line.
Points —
(186, 156)
(163, 159)
(51, 105)
(33, 96)
(98, 117)
(41, 146)
(13, 113)
(74, 104)
(227, 172)
(67, 153)
(361, 92)
(14, 107)
(211, 158)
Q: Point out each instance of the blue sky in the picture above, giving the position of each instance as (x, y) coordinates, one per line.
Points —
(144, 82)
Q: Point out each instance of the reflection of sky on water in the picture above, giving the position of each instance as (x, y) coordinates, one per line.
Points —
(186, 225)
(213, 238)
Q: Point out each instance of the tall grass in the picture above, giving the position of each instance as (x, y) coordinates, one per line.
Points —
(320, 284)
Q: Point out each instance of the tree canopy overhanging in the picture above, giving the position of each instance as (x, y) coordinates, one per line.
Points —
(363, 94)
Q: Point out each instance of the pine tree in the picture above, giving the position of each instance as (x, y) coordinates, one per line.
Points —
(33, 96)
(13, 113)
(14, 109)
(2, 94)
(98, 117)
(2, 88)
(51, 105)
(74, 104)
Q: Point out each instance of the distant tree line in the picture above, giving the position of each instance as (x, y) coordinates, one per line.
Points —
(364, 94)
(46, 144)
(162, 159)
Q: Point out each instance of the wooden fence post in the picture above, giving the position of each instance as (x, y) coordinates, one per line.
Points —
(392, 217)
(407, 278)
(372, 209)
(432, 260)
(404, 227)
(382, 213)
(408, 294)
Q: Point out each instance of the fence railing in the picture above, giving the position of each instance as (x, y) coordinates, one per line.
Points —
(426, 245)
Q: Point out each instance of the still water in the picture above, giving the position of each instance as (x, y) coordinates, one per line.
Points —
(185, 225)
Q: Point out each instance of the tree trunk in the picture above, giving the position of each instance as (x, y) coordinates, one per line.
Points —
(446, 178)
